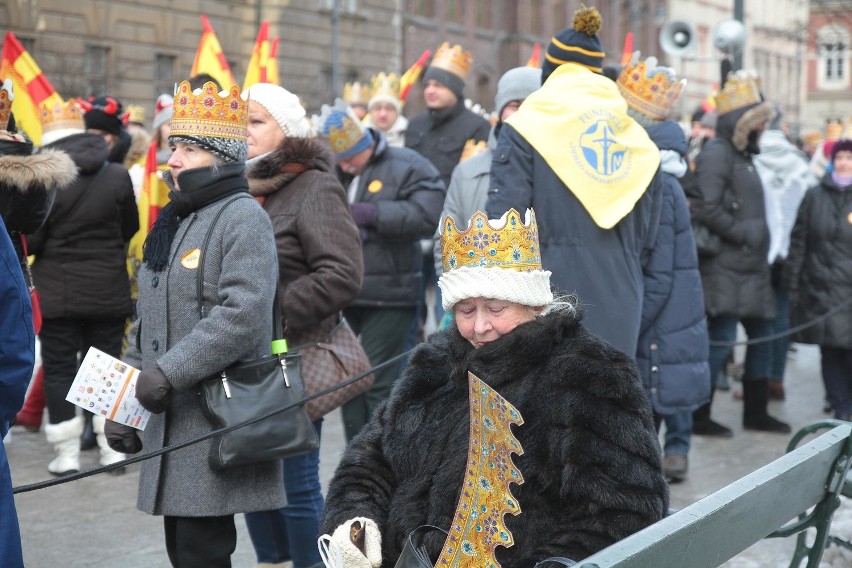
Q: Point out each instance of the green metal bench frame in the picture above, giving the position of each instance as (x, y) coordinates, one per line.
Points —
(819, 518)
(718, 527)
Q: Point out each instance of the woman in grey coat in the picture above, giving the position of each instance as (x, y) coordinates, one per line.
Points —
(175, 350)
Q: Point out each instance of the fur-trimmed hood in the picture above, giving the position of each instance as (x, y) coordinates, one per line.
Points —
(293, 157)
(51, 169)
(736, 125)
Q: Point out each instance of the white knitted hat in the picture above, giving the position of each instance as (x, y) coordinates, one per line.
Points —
(496, 259)
(283, 106)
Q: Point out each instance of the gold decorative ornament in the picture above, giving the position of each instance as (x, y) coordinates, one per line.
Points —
(453, 59)
(208, 113)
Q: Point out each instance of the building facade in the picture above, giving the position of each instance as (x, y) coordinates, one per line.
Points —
(829, 76)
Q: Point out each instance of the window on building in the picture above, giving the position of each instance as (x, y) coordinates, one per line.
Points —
(833, 52)
(455, 11)
(164, 74)
(425, 8)
(483, 14)
(95, 70)
(346, 6)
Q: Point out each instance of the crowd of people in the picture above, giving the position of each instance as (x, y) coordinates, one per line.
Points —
(591, 261)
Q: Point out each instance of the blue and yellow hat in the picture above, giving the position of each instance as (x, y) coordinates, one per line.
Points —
(343, 130)
(577, 44)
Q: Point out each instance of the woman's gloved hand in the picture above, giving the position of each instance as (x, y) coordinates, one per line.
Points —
(357, 543)
(122, 438)
(153, 390)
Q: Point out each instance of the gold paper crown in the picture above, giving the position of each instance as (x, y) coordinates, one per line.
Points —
(340, 126)
(452, 59)
(6, 96)
(61, 115)
(741, 89)
(135, 113)
(209, 114)
(833, 131)
(652, 96)
(472, 148)
(490, 244)
(356, 93)
(385, 85)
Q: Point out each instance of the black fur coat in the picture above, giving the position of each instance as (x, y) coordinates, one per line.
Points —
(592, 463)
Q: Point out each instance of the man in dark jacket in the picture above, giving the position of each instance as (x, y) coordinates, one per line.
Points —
(590, 171)
(673, 350)
(737, 283)
(396, 197)
(81, 274)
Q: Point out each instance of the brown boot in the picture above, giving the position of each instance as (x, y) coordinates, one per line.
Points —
(776, 390)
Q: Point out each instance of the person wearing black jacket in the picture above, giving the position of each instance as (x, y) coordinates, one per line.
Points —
(395, 196)
(736, 277)
(81, 274)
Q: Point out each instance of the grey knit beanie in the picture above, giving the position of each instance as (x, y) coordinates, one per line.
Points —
(516, 85)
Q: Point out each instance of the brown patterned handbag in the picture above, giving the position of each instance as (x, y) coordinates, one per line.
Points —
(330, 361)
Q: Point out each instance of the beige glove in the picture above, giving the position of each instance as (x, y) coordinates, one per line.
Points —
(356, 543)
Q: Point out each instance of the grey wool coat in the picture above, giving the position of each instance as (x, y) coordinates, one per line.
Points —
(240, 271)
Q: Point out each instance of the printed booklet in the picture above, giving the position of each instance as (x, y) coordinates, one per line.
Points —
(105, 386)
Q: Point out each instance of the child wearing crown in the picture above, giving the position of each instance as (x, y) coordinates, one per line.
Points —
(591, 462)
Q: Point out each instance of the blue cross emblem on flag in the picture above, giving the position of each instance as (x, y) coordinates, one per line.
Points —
(601, 150)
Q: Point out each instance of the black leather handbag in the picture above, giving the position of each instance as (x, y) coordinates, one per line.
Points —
(414, 553)
(250, 389)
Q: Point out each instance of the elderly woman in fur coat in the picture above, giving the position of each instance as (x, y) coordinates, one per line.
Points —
(591, 462)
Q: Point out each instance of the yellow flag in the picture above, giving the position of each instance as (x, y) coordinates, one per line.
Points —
(272, 68)
(30, 87)
(210, 59)
(579, 124)
(258, 67)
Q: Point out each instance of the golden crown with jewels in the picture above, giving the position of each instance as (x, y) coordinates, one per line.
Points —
(340, 125)
(61, 116)
(6, 96)
(653, 95)
(136, 113)
(508, 243)
(207, 113)
(453, 59)
(356, 93)
(741, 89)
(385, 85)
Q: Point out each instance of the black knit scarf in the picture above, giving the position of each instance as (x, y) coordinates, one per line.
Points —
(198, 188)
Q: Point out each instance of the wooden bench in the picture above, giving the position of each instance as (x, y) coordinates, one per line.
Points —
(718, 527)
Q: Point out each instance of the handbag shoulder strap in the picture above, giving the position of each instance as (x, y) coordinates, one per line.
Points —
(277, 328)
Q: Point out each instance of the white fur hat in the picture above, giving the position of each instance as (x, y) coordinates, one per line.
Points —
(283, 106)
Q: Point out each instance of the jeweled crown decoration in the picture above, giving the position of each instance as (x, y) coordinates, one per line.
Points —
(61, 116)
(741, 89)
(6, 96)
(654, 95)
(505, 243)
(208, 113)
(135, 113)
(385, 85)
(833, 131)
(342, 127)
(478, 527)
(356, 93)
(453, 59)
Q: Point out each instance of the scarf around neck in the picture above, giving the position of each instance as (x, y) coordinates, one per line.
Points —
(199, 187)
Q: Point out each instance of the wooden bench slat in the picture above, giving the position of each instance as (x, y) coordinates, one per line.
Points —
(723, 524)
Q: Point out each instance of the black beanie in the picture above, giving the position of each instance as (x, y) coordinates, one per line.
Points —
(103, 113)
(577, 44)
(451, 80)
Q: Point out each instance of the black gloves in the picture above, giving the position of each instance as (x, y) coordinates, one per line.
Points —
(153, 390)
(122, 438)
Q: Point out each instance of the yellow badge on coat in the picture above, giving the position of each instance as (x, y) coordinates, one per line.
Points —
(849, 218)
(190, 258)
(375, 186)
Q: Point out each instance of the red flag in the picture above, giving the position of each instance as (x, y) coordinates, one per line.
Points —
(29, 86)
(535, 58)
(409, 77)
(210, 59)
(627, 52)
(153, 196)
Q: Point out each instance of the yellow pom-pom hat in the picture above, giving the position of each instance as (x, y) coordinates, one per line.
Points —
(577, 44)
